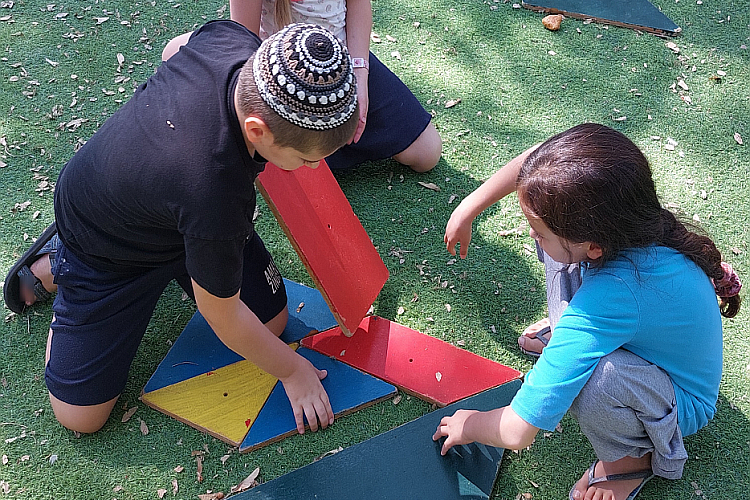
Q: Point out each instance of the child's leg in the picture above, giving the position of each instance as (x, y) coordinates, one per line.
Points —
(397, 126)
(628, 411)
(562, 282)
(99, 320)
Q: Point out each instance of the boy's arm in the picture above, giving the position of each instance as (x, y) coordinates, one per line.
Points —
(501, 427)
(358, 28)
(241, 331)
(501, 184)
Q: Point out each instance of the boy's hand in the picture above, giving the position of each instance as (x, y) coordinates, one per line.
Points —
(453, 429)
(458, 232)
(307, 396)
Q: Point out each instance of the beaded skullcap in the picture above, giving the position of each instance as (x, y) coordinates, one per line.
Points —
(304, 73)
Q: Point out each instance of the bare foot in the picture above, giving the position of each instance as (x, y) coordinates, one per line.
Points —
(41, 268)
(529, 341)
(612, 490)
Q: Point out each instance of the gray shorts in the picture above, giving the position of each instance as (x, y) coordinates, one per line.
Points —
(628, 406)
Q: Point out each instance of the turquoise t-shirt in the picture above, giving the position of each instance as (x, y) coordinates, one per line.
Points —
(654, 302)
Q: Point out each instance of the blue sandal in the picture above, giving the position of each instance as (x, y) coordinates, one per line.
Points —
(644, 475)
(20, 274)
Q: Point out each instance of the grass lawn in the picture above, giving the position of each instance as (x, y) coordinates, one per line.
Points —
(65, 67)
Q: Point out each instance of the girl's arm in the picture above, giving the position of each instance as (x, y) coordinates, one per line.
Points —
(247, 13)
(358, 27)
(502, 428)
(501, 184)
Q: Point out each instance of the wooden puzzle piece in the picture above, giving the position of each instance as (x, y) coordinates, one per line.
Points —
(401, 463)
(328, 237)
(198, 350)
(348, 390)
(223, 402)
(636, 14)
(419, 364)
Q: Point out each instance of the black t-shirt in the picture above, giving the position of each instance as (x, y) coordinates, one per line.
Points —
(169, 176)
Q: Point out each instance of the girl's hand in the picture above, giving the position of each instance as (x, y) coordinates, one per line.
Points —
(452, 428)
(458, 232)
(363, 100)
(307, 396)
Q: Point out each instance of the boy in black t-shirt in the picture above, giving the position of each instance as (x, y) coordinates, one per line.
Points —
(164, 190)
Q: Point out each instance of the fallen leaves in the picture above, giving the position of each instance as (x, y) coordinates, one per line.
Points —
(429, 185)
(452, 102)
(738, 138)
(144, 428)
(328, 454)
(128, 414)
(247, 483)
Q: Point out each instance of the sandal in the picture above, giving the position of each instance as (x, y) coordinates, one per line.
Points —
(540, 335)
(20, 274)
(644, 475)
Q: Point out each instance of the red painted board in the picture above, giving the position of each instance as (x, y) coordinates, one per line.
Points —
(328, 237)
(421, 365)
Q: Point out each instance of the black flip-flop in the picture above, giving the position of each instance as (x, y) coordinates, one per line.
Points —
(538, 335)
(20, 272)
(643, 475)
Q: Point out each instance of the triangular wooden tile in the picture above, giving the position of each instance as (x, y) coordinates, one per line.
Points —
(419, 364)
(348, 390)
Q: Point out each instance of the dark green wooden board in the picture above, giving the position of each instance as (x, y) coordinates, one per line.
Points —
(401, 463)
(636, 14)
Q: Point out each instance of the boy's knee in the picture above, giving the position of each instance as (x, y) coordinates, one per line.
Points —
(83, 419)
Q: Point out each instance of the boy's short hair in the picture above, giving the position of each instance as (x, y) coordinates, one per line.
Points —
(301, 84)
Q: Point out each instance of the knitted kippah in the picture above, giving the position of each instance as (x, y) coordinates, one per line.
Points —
(304, 74)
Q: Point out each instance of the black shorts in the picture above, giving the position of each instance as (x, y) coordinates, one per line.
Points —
(101, 316)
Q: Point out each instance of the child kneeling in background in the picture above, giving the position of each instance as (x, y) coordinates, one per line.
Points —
(646, 280)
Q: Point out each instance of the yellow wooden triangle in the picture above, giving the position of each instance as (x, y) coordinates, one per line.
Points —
(224, 402)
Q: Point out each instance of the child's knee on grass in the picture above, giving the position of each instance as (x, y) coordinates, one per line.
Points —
(83, 419)
(424, 153)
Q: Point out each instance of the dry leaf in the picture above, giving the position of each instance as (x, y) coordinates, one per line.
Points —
(126, 416)
(179, 469)
(375, 37)
(328, 453)
(52, 459)
(397, 399)
(400, 311)
(144, 428)
(552, 22)
(117, 488)
(429, 185)
(224, 458)
(390, 38)
(212, 496)
(5, 487)
(5, 459)
(736, 251)
(161, 492)
(51, 62)
(396, 54)
(100, 20)
(452, 102)
(448, 307)
(738, 138)
(673, 47)
(438, 376)
(199, 467)
(175, 488)
(300, 306)
(247, 483)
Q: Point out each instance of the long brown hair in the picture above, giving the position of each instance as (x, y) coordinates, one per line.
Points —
(592, 183)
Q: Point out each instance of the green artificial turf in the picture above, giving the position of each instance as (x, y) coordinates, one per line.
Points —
(518, 84)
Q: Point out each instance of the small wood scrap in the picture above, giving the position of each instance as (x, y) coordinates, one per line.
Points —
(553, 21)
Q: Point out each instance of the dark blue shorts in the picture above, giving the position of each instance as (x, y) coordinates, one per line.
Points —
(101, 316)
(395, 119)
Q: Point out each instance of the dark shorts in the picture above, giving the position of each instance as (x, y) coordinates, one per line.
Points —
(101, 316)
(395, 119)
